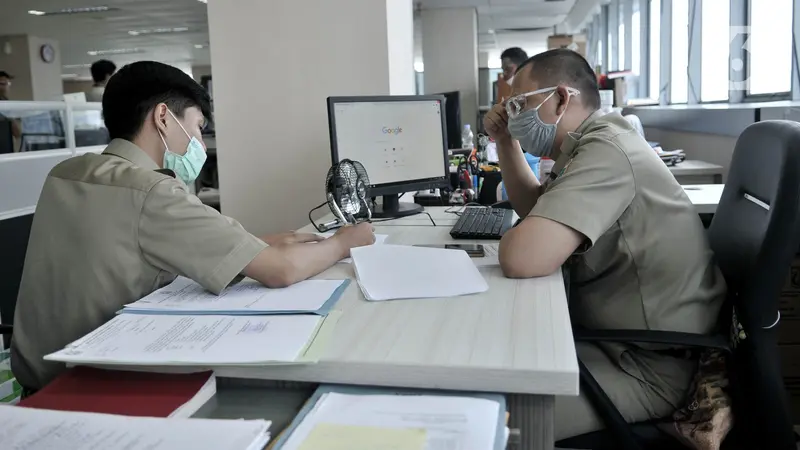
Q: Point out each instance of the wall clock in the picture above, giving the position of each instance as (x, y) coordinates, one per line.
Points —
(48, 53)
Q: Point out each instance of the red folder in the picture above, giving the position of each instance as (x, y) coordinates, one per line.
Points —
(87, 389)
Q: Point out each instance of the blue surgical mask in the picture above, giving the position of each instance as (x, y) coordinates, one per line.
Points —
(187, 166)
(535, 136)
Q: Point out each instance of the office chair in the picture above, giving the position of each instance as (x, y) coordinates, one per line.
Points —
(13, 247)
(6, 136)
(755, 234)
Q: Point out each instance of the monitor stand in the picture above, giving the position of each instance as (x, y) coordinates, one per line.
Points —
(393, 209)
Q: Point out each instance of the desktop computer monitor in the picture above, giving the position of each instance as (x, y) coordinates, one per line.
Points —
(400, 140)
(452, 108)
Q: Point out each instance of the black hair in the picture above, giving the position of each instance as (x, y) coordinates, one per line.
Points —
(102, 69)
(515, 54)
(137, 88)
(4, 74)
(565, 66)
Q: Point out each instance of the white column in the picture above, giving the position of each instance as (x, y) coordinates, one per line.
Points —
(450, 53)
(274, 67)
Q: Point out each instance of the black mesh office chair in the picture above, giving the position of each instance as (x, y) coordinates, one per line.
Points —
(755, 235)
(13, 246)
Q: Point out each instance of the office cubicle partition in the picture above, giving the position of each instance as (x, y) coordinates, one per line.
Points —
(22, 174)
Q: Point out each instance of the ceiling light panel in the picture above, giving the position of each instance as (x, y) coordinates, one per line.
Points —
(114, 51)
(158, 31)
(78, 10)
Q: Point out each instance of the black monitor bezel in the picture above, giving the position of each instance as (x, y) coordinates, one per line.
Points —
(399, 187)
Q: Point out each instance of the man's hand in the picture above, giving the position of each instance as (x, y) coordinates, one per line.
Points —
(496, 124)
(354, 236)
(291, 238)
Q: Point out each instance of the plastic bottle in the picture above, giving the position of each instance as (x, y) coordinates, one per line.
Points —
(467, 138)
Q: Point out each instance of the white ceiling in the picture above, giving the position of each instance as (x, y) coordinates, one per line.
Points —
(501, 24)
(78, 34)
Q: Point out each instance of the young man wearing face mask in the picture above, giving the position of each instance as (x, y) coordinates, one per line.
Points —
(639, 255)
(111, 228)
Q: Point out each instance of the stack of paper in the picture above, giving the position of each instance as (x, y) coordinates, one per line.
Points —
(38, 429)
(396, 422)
(388, 272)
(134, 339)
(184, 296)
(379, 239)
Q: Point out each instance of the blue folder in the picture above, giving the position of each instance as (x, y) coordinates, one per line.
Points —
(500, 437)
(324, 310)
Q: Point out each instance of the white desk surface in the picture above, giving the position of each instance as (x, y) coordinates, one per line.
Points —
(704, 197)
(694, 167)
(514, 338)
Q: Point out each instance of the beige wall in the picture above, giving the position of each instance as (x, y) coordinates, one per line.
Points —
(272, 126)
(34, 79)
(18, 64)
(705, 147)
(46, 77)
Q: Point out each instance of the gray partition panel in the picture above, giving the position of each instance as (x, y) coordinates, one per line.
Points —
(709, 119)
(22, 176)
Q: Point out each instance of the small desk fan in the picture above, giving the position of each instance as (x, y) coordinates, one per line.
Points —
(347, 191)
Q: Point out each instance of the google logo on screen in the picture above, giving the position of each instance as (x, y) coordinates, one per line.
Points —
(395, 130)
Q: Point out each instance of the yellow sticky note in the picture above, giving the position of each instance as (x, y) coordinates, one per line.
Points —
(328, 436)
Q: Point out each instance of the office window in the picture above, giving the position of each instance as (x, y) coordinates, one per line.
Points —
(655, 48)
(610, 54)
(715, 47)
(679, 77)
(636, 47)
(770, 44)
(621, 46)
(600, 61)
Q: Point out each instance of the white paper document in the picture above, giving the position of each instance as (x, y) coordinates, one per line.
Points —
(461, 423)
(41, 429)
(388, 272)
(379, 239)
(246, 297)
(138, 339)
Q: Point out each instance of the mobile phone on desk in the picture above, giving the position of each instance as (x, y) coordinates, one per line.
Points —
(473, 250)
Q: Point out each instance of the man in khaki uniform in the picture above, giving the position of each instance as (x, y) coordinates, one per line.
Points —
(111, 228)
(641, 259)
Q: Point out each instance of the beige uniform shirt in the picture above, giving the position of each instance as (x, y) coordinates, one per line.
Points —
(95, 94)
(647, 263)
(108, 230)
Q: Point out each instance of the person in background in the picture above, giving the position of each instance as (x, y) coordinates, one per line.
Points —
(5, 84)
(5, 89)
(510, 60)
(111, 228)
(101, 73)
(612, 214)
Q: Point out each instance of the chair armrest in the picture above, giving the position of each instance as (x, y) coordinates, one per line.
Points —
(6, 329)
(676, 338)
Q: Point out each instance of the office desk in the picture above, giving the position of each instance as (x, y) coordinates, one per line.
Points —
(515, 338)
(693, 172)
(704, 197)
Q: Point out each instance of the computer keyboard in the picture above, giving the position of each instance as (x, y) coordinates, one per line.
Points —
(482, 223)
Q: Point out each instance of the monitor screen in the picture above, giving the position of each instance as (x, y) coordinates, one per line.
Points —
(397, 141)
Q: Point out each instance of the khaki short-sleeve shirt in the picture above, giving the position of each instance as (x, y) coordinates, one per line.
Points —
(108, 230)
(646, 263)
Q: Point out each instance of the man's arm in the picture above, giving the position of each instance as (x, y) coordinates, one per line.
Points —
(522, 187)
(285, 264)
(537, 247)
(579, 207)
